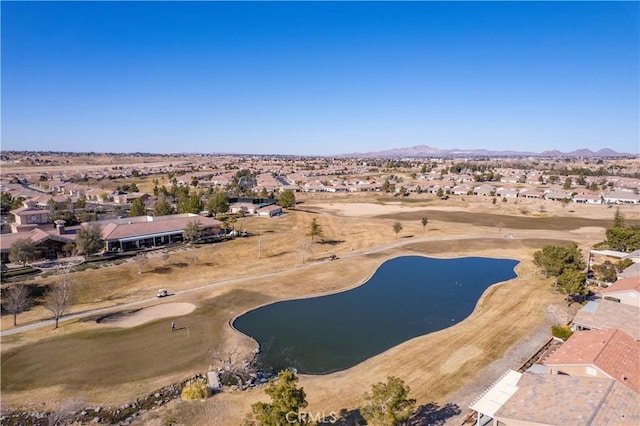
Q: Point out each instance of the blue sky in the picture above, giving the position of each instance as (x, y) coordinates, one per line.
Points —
(319, 78)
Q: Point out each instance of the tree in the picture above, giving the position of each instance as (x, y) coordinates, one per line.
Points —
(15, 300)
(286, 401)
(17, 202)
(80, 203)
(190, 204)
(440, 193)
(163, 208)
(623, 239)
(60, 295)
(192, 231)
(234, 365)
(606, 271)
(424, 222)
(89, 239)
(52, 205)
(397, 227)
(23, 250)
(388, 403)
(138, 208)
(70, 218)
(219, 203)
(304, 248)
(386, 186)
(69, 248)
(567, 183)
(618, 219)
(141, 259)
(571, 282)
(315, 230)
(554, 260)
(6, 201)
(287, 199)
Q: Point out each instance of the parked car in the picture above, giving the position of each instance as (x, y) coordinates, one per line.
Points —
(162, 293)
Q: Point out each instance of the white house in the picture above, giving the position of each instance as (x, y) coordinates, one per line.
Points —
(625, 290)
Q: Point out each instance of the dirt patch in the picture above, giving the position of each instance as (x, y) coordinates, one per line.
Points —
(137, 317)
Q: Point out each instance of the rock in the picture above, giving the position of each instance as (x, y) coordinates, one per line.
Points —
(97, 409)
(83, 413)
(96, 420)
(157, 395)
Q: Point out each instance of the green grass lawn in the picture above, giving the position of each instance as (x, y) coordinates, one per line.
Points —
(113, 356)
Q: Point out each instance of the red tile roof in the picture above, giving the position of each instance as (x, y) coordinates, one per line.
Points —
(612, 351)
(623, 284)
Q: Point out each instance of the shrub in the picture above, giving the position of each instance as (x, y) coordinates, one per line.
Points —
(195, 390)
(561, 331)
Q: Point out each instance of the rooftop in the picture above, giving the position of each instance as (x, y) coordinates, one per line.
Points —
(612, 351)
(603, 314)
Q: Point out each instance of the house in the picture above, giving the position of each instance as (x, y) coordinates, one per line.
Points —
(587, 198)
(270, 210)
(535, 399)
(631, 271)
(625, 291)
(246, 208)
(49, 244)
(531, 193)
(607, 353)
(462, 189)
(134, 233)
(507, 192)
(603, 314)
(558, 195)
(485, 190)
(621, 197)
(127, 198)
(28, 217)
(634, 256)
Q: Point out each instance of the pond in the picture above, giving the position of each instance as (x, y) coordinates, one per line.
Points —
(407, 297)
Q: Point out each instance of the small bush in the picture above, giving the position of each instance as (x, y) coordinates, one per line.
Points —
(84, 267)
(561, 331)
(170, 421)
(195, 390)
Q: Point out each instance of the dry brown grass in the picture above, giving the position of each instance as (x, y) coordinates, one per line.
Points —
(434, 365)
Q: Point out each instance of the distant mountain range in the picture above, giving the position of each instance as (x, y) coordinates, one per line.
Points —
(427, 151)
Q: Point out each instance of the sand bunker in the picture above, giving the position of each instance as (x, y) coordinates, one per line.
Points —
(151, 313)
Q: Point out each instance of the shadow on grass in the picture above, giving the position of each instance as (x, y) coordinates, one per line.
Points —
(348, 418)
(161, 270)
(116, 316)
(282, 253)
(331, 242)
(429, 414)
(181, 264)
(408, 236)
(434, 415)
